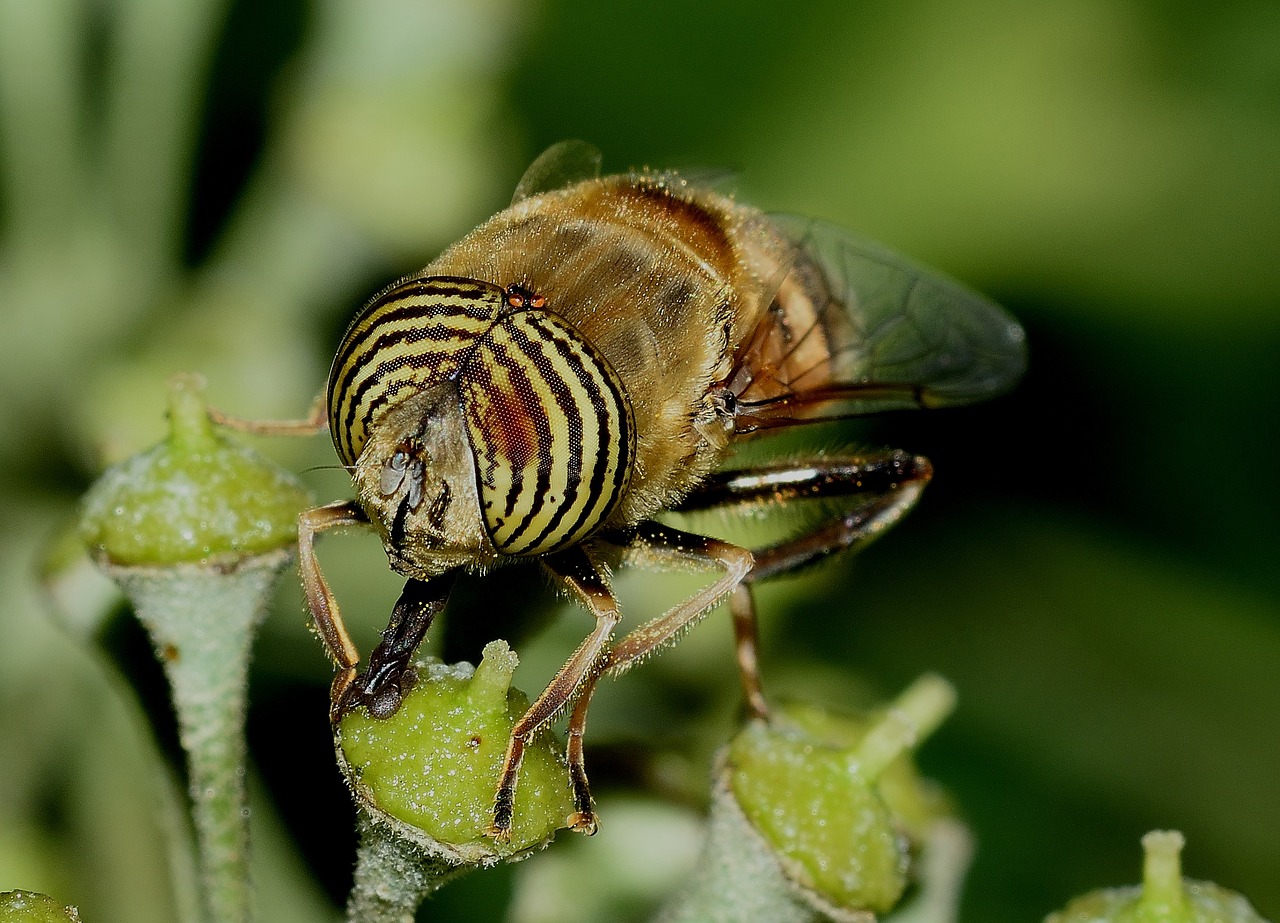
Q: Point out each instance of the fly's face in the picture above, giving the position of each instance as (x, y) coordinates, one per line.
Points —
(415, 478)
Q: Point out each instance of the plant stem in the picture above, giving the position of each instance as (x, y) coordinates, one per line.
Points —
(393, 876)
(201, 620)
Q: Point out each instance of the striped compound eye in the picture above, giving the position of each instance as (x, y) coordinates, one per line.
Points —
(552, 433)
(411, 337)
(549, 424)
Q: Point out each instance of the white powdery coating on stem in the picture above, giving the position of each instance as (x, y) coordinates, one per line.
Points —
(201, 621)
(393, 876)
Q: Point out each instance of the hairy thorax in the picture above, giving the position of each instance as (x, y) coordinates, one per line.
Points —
(653, 274)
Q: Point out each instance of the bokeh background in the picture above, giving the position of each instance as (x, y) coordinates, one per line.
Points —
(217, 184)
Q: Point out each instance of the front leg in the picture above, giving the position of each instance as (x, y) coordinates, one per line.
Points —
(316, 420)
(324, 608)
(655, 545)
(575, 680)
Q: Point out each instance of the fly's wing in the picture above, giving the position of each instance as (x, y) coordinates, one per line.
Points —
(561, 165)
(856, 329)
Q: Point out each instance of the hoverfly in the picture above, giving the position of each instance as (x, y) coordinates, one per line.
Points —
(586, 360)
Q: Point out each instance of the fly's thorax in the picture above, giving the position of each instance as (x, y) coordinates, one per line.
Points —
(653, 275)
(416, 479)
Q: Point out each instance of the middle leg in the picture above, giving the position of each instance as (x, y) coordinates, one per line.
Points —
(885, 484)
(663, 546)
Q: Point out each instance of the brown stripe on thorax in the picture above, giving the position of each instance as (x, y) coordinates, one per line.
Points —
(682, 217)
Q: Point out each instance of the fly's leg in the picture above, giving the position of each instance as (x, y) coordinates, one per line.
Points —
(746, 642)
(576, 572)
(584, 817)
(885, 484)
(575, 680)
(383, 684)
(317, 419)
(324, 608)
(657, 545)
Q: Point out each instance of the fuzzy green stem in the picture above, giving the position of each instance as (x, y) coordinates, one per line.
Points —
(393, 875)
(1162, 870)
(201, 620)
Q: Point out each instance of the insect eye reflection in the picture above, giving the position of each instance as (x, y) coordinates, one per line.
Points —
(406, 463)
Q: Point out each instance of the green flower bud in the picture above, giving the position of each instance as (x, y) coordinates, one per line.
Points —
(914, 802)
(196, 497)
(1164, 895)
(433, 766)
(810, 785)
(30, 907)
(831, 830)
(195, 531)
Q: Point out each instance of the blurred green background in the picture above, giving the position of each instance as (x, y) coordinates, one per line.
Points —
(217, 184)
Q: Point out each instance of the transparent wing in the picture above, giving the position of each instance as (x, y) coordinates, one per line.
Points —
(857, 329)
(561, 165)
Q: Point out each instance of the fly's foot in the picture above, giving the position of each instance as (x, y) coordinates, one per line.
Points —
(504, 805)
(339, 693)
(380, 689)
(583, 819)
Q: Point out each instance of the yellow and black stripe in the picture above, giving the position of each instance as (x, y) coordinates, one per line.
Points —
(550, 424)
(551, 431)
(410, 337)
